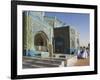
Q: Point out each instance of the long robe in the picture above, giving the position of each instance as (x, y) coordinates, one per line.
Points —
(85, 54)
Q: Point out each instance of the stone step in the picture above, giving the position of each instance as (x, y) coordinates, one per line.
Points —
(42, 63)
(50, 60)
(47, 61)
(29, 65)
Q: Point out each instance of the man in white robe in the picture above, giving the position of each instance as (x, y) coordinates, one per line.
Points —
(85, 54)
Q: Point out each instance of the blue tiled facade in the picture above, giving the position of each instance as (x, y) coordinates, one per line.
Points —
(36, 23)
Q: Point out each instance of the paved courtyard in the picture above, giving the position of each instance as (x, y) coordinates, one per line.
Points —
(82, 62)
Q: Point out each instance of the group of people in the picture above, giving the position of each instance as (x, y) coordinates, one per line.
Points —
(83, 53)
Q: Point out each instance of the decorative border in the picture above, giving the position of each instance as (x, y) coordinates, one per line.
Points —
(14, 56)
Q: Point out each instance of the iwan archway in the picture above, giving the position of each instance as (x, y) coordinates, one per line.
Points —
(41, 42)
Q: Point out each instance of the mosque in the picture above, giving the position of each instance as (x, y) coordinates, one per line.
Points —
(45, 36)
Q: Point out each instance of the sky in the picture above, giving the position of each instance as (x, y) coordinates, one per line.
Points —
(80, 21)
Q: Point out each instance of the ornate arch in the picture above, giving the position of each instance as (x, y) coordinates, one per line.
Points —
(41, 41)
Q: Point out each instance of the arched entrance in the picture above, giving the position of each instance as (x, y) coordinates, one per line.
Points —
(59, 44)
(41, 41)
